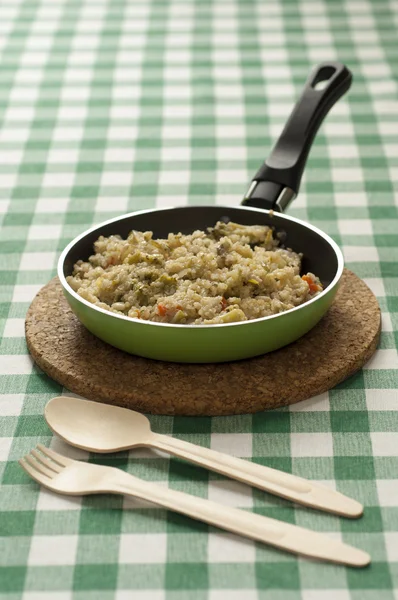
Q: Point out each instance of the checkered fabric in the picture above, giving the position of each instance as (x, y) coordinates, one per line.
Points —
(108, 106)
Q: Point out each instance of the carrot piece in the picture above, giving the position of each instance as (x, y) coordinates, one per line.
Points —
(162, 310)
(314, 287)
(224, 303)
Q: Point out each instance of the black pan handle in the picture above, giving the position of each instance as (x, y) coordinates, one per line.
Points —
(277, 181)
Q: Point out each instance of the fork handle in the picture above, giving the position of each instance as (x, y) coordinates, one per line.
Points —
(270, 480)
(263, 529)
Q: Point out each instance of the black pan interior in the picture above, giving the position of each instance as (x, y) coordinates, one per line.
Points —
(319, 256)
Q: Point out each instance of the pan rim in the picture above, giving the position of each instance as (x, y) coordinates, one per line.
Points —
(75, 295)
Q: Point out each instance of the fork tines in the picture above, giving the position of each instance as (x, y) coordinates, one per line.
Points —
(43, 464)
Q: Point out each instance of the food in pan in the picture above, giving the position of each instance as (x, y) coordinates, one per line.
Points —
(226, 274)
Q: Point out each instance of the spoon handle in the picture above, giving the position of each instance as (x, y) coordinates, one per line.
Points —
(270, 480)
(264, 529)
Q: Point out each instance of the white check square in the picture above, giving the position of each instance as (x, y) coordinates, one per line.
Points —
(311, 444)
(140, 595)
(348, 174)
(11, 404)
(44, 232)
(387, 490)
(384, 443)
(383, 359)
(386, 322)
(68, 134)
(47, 595)
(121, 155)
(230, 493)
(325, 594)
(117, 178)
(234, 444)
(229, 548)
(37, 261)
(50, 550)
(360, 254)
(179, 153)
(381, 399)
(376, 284)
(51, 501)
(391, 541)
(16, 364)
(226, 594)
(14, 328)
(174, 177)
(143, 548)
(114, 204)
(52, 205)
(356, 226)
(5, 447)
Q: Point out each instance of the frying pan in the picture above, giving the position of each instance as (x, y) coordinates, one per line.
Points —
(273, 187)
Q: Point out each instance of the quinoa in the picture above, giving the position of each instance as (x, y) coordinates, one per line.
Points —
(228, 273)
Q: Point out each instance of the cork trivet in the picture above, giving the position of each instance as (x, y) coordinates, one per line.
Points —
(336, 348)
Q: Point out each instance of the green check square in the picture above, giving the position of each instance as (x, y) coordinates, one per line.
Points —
(58, 522)
(15, 498)
(186, 576)
(283, 512)
(355, 467)
(17, 523)
(180, 470)
(12, 579)
(8, 424)
(16, 551)
(371, 521)
(17, 219)
(141, 577)
(276, 576)
(40, 383)
(32, 426)
(178, 523)
(100, 520)
(349, 421)
(319, 576)
(231, 576)
(97, 548)
(49, 578)
(375, 577)
(95, 577)
(94, 595)
(271, 422)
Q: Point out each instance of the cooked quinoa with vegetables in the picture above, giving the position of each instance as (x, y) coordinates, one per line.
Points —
(225, 274)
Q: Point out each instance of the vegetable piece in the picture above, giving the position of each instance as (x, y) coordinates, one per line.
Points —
(224, 303)
(162, 310)
(179, 316)
(234, 315)
(314, 287)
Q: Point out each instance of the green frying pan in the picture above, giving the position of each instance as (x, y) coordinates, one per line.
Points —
(273, 187)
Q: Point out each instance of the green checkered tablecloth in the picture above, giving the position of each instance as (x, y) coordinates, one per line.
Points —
(108, 106)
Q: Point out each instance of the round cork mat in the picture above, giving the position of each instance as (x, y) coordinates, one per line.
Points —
(336, 348)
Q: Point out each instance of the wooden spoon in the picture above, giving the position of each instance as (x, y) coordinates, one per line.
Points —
(98, 427)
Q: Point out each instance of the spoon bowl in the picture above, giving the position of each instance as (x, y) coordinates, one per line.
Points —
(96, 427)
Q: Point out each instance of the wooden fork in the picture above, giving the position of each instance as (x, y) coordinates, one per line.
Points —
(67, 476)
